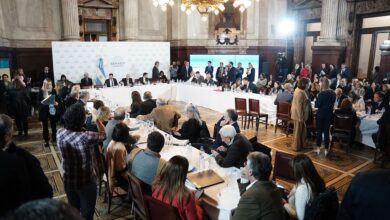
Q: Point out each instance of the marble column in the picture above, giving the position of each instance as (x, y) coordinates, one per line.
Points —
(342, 21)
(329, 14)
(70, 20)
(130, 20)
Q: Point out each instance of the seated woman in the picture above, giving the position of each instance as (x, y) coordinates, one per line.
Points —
(117, 151)
(73, 96)
(357, 102)
(261, 83)
(308, 185)
(236, 86)
(276, 89)
(135, 106)
(162, 78)
(346, 109)
(170, 188)
(192, 127)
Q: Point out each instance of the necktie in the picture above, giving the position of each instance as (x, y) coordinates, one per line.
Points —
(111, 83)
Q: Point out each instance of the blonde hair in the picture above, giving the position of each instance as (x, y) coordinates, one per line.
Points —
(45, 89)
(103, 114)
(75, 91)
(324, 84)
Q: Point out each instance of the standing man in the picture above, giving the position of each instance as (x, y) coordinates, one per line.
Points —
(251, 73)
(220, 71)
(156, 71)
(173, 71)
(240, 70)
(209, 69)
(111, 81)
(232, 73)
(186, 71)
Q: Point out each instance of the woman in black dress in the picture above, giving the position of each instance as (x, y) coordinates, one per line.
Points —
(135, 106)
(191, 128)
(48, 111)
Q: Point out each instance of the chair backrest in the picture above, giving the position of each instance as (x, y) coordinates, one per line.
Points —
(342, 123)
(137, 191)
(283, 109)
(282, 168)
(254, 106)
(204, 133)
(215, 131)
(240, 105)
(210, 207)
(157, 210)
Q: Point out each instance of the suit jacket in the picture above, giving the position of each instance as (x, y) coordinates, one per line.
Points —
(219, 73)
(300, 106)
(285, 96)
(85, 83)
(185, 75)
(142, 81)
(250, 87)
(163, 117)
(44, 109)
(236, 153)
(19, 102)
(209, 70)
(147, 107)
(345, 89)
(198, 81)
(107, 82)
(240, 71)
(377, 107)
(155, 73)
(127, 83)
(367, 197)
(231, 76)
(22, 179)
(209, 82)
(339, 100)
(218, 140)
(251, 76)
(325, 103)
(190, 130)
(262, 201)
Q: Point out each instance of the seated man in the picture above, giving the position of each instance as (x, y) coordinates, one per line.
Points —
(236, 152)
(146, 164)
(209, 81)
(148, 104)
(248, 86)
(339, 97)
(229, 118)
(285, 96)
(260, 198)
(378, 105)
(22, 178)
(164, 116)
(111, 81)
(197, 78)
(127, 81)
(86, 81)
(144, 79)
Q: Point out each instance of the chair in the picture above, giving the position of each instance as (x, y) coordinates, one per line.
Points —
(254, 113)
(282, 168)
(157, 210)
(283, 113)
(240, 105)
(112, 190)
(385, 150)
(137, 192)
(342, 129)
(210, 208)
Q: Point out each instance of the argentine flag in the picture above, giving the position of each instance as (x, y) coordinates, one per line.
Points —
(100, 76)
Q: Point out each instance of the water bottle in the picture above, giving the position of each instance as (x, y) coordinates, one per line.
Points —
(201, 161)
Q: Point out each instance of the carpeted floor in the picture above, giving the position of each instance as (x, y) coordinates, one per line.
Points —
(337, 169)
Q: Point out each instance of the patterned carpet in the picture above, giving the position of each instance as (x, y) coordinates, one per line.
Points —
(337, 169)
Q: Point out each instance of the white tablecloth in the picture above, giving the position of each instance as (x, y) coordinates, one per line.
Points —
(368, 126)
(226, 194)
(204, 96)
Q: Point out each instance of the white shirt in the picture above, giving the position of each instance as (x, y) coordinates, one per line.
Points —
(296, 205)
(250, 185)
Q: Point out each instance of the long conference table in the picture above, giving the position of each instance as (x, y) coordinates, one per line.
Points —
(214, 99)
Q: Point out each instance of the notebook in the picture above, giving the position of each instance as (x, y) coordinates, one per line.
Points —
(204, 179)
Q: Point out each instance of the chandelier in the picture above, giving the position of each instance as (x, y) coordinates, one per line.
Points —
(163, 4)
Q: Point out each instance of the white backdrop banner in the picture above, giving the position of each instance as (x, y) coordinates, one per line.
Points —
(98, 59)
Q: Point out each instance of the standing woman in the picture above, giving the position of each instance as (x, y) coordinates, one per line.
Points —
(135, 106)
(300, 110)
(20, 104)
(324, 103)
(308, 185)
(169, 187)
(48, 111)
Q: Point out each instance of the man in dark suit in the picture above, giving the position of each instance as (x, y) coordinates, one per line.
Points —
(148, 104)
(248, 86)
(240, 70)
(198, 79)
(144, 79)
(260, 197)
(219, 73)
(209, 81)
(237, 150)
(378, 105)
(339, 97)
(367, 197)
(127, 81)
(155, 71)
(345, 71)
(232, 73)
(343, 86)
(186, 71)
(251, 72)
(111, 81)
(209, 69)
(22, 178)
(229, 118)
(86, 81)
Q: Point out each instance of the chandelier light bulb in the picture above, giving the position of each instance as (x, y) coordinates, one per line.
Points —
(216, 12)
(164, 8)
(193, 7)
(183, 7)
(242, 9)
(221, 7)
(155, 3)
(188, 11)
(204, 17)
(171, 2)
